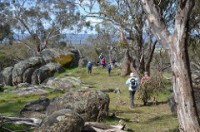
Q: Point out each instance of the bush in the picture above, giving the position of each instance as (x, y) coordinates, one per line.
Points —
(151, 87)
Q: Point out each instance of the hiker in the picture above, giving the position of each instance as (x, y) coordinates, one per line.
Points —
(146, 76)
(132, 83)
(103, 62)
(101, 56)
(89, 67)
(109, 69)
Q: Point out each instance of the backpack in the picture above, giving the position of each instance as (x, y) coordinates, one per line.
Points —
(89, 65)
(109, 67)
(133, 83)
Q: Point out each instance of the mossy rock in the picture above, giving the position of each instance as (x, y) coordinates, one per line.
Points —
(64, 60)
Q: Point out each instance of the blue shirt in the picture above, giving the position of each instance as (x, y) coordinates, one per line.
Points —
(128, 82)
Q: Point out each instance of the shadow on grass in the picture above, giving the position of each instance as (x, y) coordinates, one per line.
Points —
(153, 103)
(159, 118)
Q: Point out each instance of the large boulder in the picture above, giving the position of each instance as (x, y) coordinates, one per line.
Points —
(76, 58)
(45, 72)
(27, 74)
(22, 66)
(63, 83)
(173, 105)
(28, 70)
(67, 58)
(90, 104)
(64, 120)
(35, 109)
(7, 75)
(1, 82)
(31, 90)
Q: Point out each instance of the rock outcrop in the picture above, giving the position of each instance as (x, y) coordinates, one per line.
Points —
(45, 72)
(64, 120)
(22, 66)
(63, 83)
(35, 109)
(36, 69)
(7, 75)
(91, 105)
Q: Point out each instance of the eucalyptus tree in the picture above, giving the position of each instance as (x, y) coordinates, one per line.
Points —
(45, 20)
(175, 42)
(194, 38)
(128, 17)
(5, 26)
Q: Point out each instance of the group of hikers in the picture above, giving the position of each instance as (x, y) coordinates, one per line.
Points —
(102, 63)
(132, 82)
(133, 85)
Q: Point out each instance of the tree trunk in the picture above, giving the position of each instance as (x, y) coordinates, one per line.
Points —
(140, 54)
(150, 57)
(176, 46)
(183, 91)
(128, 64)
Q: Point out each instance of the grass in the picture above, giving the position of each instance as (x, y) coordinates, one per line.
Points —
(151, 118)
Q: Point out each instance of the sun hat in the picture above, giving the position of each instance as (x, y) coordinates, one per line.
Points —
(131, 75)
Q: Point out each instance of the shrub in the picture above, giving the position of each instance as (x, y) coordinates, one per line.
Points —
(151, 87)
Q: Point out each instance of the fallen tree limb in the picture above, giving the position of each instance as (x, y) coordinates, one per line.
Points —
(17, 120)
(100, 127)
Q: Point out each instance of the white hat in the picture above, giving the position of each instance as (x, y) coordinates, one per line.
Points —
(131, 75)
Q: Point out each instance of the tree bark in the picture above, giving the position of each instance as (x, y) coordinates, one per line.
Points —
(150, 57)
(176, 46)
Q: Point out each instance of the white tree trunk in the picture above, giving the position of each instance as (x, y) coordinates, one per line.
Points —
(176, 46)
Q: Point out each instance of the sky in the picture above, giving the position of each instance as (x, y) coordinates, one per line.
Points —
(93, 21)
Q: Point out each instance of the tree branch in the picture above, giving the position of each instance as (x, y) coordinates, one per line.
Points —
(16, 120)
(156, 22)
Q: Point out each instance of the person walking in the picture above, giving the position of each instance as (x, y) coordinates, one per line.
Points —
(89, 67)
(133, 84)
(145, 77)
(109, 69)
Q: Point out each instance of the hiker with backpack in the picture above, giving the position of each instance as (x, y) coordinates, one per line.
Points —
(101, 56)
(133, 84)
(89, 67)
(145, 77)
(109, 69)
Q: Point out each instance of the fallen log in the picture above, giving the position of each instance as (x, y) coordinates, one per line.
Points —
(100, 127)
(16, 120)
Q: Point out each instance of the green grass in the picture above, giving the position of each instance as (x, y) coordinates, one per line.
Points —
(151, 118)
(11, 104)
